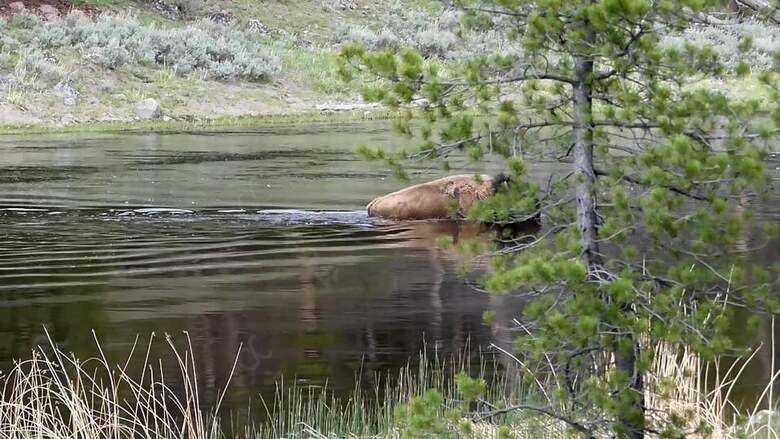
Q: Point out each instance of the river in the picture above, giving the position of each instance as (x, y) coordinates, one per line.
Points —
(199, 235)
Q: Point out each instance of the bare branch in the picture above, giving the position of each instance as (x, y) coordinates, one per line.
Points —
(676, 190)
(529, 73)
(543, 410)
(527, 245)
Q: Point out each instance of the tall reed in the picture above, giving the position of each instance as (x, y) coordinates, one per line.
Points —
(52, 394)
(55, 395)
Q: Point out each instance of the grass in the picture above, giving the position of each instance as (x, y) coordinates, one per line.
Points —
(432, 6)
(15, 96)
(102, 3)
(682, 384)
(749, 87)
(136, 94)
(310, 412)
(303, 42)
(55, 395)
(196, 103)
(165, 77)
(216, 124)
(315, 66)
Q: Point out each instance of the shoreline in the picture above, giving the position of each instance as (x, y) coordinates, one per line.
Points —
(190, 124)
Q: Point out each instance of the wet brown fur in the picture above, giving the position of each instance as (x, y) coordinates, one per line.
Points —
(435, 199)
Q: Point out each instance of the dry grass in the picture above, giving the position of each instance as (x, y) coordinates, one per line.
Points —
(54, 395)
(682, 384)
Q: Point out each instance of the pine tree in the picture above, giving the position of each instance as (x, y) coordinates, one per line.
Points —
(644, 235)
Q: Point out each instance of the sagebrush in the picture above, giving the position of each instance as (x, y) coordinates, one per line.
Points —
(211, 50)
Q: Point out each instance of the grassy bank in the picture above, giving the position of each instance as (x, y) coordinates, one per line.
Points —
(216, 61)
(217, 124)
(222, 61)
(56, 395)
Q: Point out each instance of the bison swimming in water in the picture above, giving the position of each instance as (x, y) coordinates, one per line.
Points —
(444, 198)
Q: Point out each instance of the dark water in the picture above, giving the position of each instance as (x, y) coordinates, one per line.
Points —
(134, 234)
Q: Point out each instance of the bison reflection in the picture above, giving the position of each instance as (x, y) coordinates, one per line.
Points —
(440, 306)
(444, 198)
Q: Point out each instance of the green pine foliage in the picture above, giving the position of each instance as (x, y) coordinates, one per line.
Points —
(648, 225)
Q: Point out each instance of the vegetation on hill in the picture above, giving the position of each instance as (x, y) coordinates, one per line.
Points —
(94, 60)
(200, 60)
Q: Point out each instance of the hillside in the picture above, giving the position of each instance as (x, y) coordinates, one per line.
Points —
(66, 62)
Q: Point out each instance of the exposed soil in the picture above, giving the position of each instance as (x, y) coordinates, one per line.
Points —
(64, 6)
(13, 115)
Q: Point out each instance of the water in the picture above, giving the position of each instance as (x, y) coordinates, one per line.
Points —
(214, 234)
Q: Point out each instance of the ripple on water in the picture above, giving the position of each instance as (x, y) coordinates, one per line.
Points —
(153, 242)
(194, 232)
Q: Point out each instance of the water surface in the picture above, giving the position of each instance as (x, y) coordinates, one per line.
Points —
(134, 234)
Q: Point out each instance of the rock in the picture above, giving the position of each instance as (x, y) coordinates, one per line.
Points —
(148, 109)
(257, 27)
(170, 10)
(7, 82)
(333, 5)
(65, 90)
(76, 16)
(49, 12)
(166, 118)
(221, 16)
(68, 119)
(17, 7)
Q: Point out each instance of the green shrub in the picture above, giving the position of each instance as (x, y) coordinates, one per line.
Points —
(112, 41)
(436, 42)
(25, 20)
(725, 41)
(409, 27)
(111, 56)
(34, 66)
(9, 43)
(357, 34)
(5, 61)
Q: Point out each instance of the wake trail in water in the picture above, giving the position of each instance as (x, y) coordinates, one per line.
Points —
(41, 251)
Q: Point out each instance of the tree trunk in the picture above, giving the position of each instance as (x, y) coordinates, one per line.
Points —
(584, 174)
(630, 418)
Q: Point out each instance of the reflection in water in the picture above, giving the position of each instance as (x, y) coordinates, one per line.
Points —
(318, 298)
(171, 233)
(320, 303)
